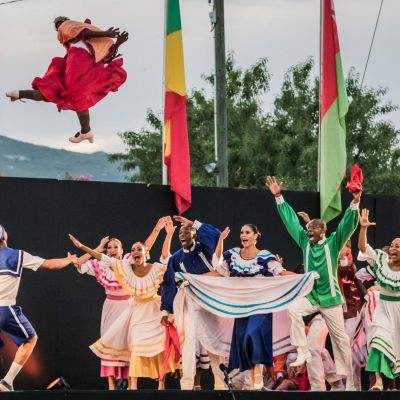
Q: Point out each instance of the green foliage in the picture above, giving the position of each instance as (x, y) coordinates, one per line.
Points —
(282, 142)
(294, 121)
(372, 141)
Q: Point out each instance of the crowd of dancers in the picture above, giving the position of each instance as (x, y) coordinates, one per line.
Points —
(195, 298)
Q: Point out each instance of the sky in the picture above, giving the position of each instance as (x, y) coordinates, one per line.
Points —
(284, 31)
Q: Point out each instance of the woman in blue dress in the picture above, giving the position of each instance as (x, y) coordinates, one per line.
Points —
(251, 346)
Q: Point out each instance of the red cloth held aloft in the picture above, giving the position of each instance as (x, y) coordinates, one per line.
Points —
(356, 178)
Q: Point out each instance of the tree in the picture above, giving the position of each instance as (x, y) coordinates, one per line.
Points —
(246, 122)
(294, 120)
(283, 141)
(372, 141)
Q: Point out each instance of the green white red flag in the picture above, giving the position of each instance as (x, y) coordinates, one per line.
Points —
(334, 107)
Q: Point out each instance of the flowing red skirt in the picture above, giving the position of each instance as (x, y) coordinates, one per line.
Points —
(76, 82)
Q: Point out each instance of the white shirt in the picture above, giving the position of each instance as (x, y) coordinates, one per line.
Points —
(82, 45)
(9, 284)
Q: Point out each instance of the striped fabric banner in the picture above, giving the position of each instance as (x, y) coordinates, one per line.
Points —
(242, 297)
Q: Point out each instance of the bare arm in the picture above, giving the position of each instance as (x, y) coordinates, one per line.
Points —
(364, 224)
(111, 33)
(100, 248)
(212, 273)
(113, 52)
(58, 263)
(93, 253)
(285, 272)
(362, 239)
(155, 232)
(220, 245)
(169, 230)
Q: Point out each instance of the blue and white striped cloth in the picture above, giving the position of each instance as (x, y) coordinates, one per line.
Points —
(237, 298)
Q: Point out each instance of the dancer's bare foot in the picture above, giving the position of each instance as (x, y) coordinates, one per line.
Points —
(79, 137)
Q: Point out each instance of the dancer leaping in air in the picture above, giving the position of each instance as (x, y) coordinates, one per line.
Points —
(87, 73)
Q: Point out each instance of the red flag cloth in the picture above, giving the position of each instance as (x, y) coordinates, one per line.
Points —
(356, 178)
(171, 343)
(178, 161)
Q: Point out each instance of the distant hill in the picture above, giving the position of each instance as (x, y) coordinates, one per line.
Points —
(20, 159)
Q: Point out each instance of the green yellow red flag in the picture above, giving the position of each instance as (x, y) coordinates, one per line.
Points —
(176, 141)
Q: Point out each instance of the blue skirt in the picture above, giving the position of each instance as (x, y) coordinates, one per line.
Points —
(251, 342)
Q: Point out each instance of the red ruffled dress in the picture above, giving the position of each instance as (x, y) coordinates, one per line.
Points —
(80, 79)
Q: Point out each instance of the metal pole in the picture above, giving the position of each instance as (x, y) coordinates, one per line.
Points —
(220, 96)
(164, 171)
(320, 92)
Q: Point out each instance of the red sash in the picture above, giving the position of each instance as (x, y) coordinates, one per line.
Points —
(171, 342)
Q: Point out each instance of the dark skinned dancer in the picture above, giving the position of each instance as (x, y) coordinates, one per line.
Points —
(87, 73)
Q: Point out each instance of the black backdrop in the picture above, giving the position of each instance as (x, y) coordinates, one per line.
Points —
(65, 307)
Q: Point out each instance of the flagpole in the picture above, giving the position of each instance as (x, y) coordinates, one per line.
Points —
(319, 94)
(164, 171)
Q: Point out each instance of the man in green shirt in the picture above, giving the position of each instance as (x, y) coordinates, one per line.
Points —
(320, 254)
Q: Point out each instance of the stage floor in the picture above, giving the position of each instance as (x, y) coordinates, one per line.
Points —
(192, 395)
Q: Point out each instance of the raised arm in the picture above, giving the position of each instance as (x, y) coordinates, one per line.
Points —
(149, 242)
(93, 253)
(220, 245)
(169, 230)
(304, 216)
(287, 214)
(58, 263)
(364, 224)
(349, 222)
(219, 264)
(113, 52)
(206, 234)
(100, 248)
(110, 32)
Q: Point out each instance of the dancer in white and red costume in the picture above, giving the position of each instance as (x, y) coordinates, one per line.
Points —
(89, 70)
(136, 336)
(117, 301)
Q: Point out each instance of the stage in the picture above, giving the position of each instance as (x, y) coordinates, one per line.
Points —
(192, 395)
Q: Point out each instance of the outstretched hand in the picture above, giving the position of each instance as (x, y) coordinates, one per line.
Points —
(183, 221)
(75, 241)
(103, 242)
(122, 38)
(169, 226)
(73, 259)
(225, 233)
(304, 216)
(161, 222)
(112, 32)
(364, 218)
(279, 259)
(273, 186)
